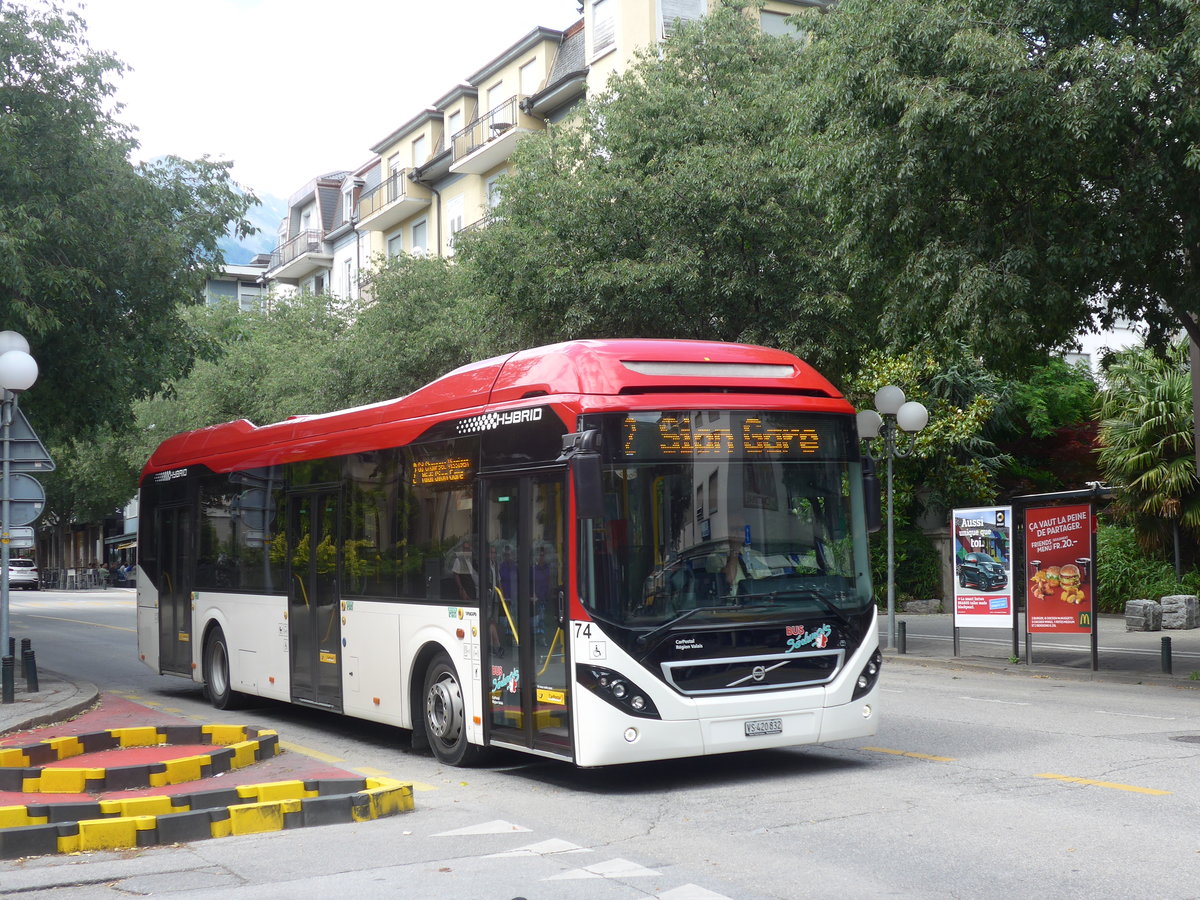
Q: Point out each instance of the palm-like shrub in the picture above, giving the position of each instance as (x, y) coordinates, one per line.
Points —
(1146, 444)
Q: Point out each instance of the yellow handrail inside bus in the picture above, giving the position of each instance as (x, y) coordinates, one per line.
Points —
(303, 589)
(558, 636)
(507, 615)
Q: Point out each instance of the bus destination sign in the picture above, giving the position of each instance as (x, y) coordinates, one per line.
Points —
(682, 435)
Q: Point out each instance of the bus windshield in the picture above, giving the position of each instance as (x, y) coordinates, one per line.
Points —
(726, 514)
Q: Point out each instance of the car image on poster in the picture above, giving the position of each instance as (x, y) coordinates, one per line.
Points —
(983, 577)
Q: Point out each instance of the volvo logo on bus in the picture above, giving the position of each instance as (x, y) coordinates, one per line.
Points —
(759, 673)
(493, 420)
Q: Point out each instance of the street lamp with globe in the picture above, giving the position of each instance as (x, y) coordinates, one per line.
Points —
(18, 372)
(892, 414)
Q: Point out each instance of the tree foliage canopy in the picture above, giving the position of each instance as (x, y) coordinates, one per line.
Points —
(96, 254)
(671, 209)
(420, 323)
(999, 171)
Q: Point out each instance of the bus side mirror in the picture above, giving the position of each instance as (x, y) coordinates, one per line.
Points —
(872, 495)
(582, 451)
(589, 491)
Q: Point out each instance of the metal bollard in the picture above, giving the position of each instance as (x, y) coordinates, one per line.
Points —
(901, 637)
(28, 658)
(12, 646)
(1166, 656)
(7, 688)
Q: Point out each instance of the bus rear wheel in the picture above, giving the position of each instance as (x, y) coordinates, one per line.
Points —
(216, 673)
(445, 715)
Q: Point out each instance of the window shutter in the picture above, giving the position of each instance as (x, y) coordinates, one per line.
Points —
(674, 11)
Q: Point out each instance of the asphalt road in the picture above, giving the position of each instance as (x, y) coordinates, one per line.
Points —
(979, 785)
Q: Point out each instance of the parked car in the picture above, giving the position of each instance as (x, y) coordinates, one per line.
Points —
(981, 571)
(23, 573)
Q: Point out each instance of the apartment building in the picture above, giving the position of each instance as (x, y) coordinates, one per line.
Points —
(240, 284)
(440, 171)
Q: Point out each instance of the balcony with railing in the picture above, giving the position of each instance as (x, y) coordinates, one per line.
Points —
(391, 201)
(299, 257)
(488, 141)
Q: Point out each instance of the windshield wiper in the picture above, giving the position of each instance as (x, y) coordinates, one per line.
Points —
(644, 639)
(800, 594)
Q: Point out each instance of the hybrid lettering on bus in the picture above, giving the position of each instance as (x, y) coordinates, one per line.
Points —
(597, 551)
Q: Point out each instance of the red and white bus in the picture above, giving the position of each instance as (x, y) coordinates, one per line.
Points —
(598, 551)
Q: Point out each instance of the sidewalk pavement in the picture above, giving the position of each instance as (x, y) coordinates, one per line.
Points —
(57, 698)
(1129, 657)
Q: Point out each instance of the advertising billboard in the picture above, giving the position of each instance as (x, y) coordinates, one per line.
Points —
(983, 576)
(1058, 554)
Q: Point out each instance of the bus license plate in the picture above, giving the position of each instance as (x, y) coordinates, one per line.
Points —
(764, 726)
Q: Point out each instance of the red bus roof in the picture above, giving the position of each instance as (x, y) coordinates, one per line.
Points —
(586, 368)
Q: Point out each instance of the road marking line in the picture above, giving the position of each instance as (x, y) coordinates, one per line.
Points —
(1105, 712)
(81, 622)
(989, 700)
(496, 826)
(309, 751)
(1106, 784)
(907, 753)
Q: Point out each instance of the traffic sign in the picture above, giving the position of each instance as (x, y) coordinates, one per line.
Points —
(26, 498)
(25, 452)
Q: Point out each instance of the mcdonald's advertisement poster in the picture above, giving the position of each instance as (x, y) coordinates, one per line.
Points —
(1058, 553)
(983, 592)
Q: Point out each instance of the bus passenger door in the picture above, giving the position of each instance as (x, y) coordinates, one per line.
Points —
(522, 612)
(174, 525)
(314, 625)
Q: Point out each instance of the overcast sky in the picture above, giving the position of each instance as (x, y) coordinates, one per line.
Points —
(289, 89)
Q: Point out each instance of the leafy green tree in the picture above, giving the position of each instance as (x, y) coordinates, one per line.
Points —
(94, 478)
(1047, 429)
(952, 463)
(96, 254)
(671, 208)
(420, 323)
(999, 171)
(270, 364)
(1146, 443)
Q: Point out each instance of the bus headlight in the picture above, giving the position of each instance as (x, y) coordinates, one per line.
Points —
(615, 688)
(868, 676)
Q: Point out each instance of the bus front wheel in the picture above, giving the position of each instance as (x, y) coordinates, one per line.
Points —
(216, 672)
(445, 715)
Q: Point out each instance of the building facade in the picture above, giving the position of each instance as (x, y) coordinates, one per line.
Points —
(441, 170)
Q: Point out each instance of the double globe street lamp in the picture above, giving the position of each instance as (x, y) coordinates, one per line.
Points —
(892, 414)
(18, 372)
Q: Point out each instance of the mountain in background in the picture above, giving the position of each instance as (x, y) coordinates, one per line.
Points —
(266, 218)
